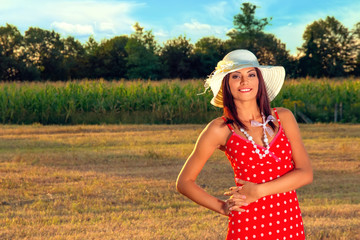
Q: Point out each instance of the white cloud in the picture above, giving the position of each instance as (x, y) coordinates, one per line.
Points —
(196, 30)
(218, 11)
(195, 25)
(73, 29)
(78, 17)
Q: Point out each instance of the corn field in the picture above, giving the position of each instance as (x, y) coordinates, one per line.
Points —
(172, 102)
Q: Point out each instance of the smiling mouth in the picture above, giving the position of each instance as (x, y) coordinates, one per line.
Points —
(244, 90)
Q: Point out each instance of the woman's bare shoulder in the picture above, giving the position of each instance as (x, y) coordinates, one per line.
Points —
(287, 118)
(217, 128)
(284, 114)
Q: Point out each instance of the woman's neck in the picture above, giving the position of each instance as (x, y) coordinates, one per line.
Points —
(248, 111)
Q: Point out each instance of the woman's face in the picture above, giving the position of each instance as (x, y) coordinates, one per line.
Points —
(244, 84)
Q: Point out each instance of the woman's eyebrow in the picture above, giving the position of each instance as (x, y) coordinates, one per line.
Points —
(250, 70)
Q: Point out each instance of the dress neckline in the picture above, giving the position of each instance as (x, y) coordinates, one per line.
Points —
(233, 133)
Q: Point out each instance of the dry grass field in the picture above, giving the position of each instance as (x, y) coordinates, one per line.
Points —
(118, 182)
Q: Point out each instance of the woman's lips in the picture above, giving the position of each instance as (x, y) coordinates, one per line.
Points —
(245, 90)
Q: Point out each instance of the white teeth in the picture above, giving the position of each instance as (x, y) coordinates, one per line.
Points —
(245, 90)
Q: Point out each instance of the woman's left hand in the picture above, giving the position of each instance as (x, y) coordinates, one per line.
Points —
(250, 190)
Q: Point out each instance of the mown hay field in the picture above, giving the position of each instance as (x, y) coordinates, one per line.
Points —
(118, 182)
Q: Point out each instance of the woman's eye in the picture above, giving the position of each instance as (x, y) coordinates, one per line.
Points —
(251, 75)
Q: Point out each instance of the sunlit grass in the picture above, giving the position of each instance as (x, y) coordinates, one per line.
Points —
(118, 182)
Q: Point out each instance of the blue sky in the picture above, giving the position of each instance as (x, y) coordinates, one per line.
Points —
(169, 19)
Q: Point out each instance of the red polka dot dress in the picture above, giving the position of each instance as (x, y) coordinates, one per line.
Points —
(274, 216)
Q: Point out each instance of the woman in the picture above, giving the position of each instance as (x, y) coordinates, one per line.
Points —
(264, 148)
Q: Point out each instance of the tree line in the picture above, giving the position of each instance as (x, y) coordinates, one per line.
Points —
(329, 50)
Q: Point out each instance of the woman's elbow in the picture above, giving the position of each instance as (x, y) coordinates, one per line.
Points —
(180, 185)
(309, 176)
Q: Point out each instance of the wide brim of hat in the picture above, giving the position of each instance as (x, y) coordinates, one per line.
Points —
(273, 76)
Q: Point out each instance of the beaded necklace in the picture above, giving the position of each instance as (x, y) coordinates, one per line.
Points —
(266, 129)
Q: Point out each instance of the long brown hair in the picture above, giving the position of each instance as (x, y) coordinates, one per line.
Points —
(262, 100)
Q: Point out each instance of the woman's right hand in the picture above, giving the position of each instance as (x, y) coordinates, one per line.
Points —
(236, 200)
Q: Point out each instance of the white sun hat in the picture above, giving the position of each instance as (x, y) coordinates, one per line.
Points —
(273, 75)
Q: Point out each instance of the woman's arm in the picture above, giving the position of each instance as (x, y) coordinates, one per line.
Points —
(211, 138)
(301, 175)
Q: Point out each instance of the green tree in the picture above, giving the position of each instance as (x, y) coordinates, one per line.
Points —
(45, 51)
(143, 59)
(356, 49)
(207, 52)
(328, 49)
(13, 60)
(74, 58)
(176, 56)
(249, 34)
(114, 57)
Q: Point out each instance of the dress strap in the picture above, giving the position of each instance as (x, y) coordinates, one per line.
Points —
(277, 116)
(232, 130)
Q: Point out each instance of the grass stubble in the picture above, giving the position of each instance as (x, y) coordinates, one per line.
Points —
(118, 182)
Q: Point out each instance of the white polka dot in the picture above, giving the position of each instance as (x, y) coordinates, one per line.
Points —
(270, 233)
(262, 172)
(247, 219)
(263, 207)
(254, 227)
(270, 224)
(255, 218)
(278, 231)
(271, 205)
(263, 216)
(278, 168)
(254, 236)
(243, 154)
(278, 213)
(277, 146)
(246, 228)
(245, 147)
(254, 175)
(253, 167)
(278, 222)
(270, 215)
(235, 151)
(237, 144)
(245, 170)
(283, 151)
(270, 170)
(255, 209)
(285, 229)
(248, 178)
(262, 234)
(250, 158)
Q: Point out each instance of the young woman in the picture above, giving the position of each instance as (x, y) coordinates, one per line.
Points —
(264, 148)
